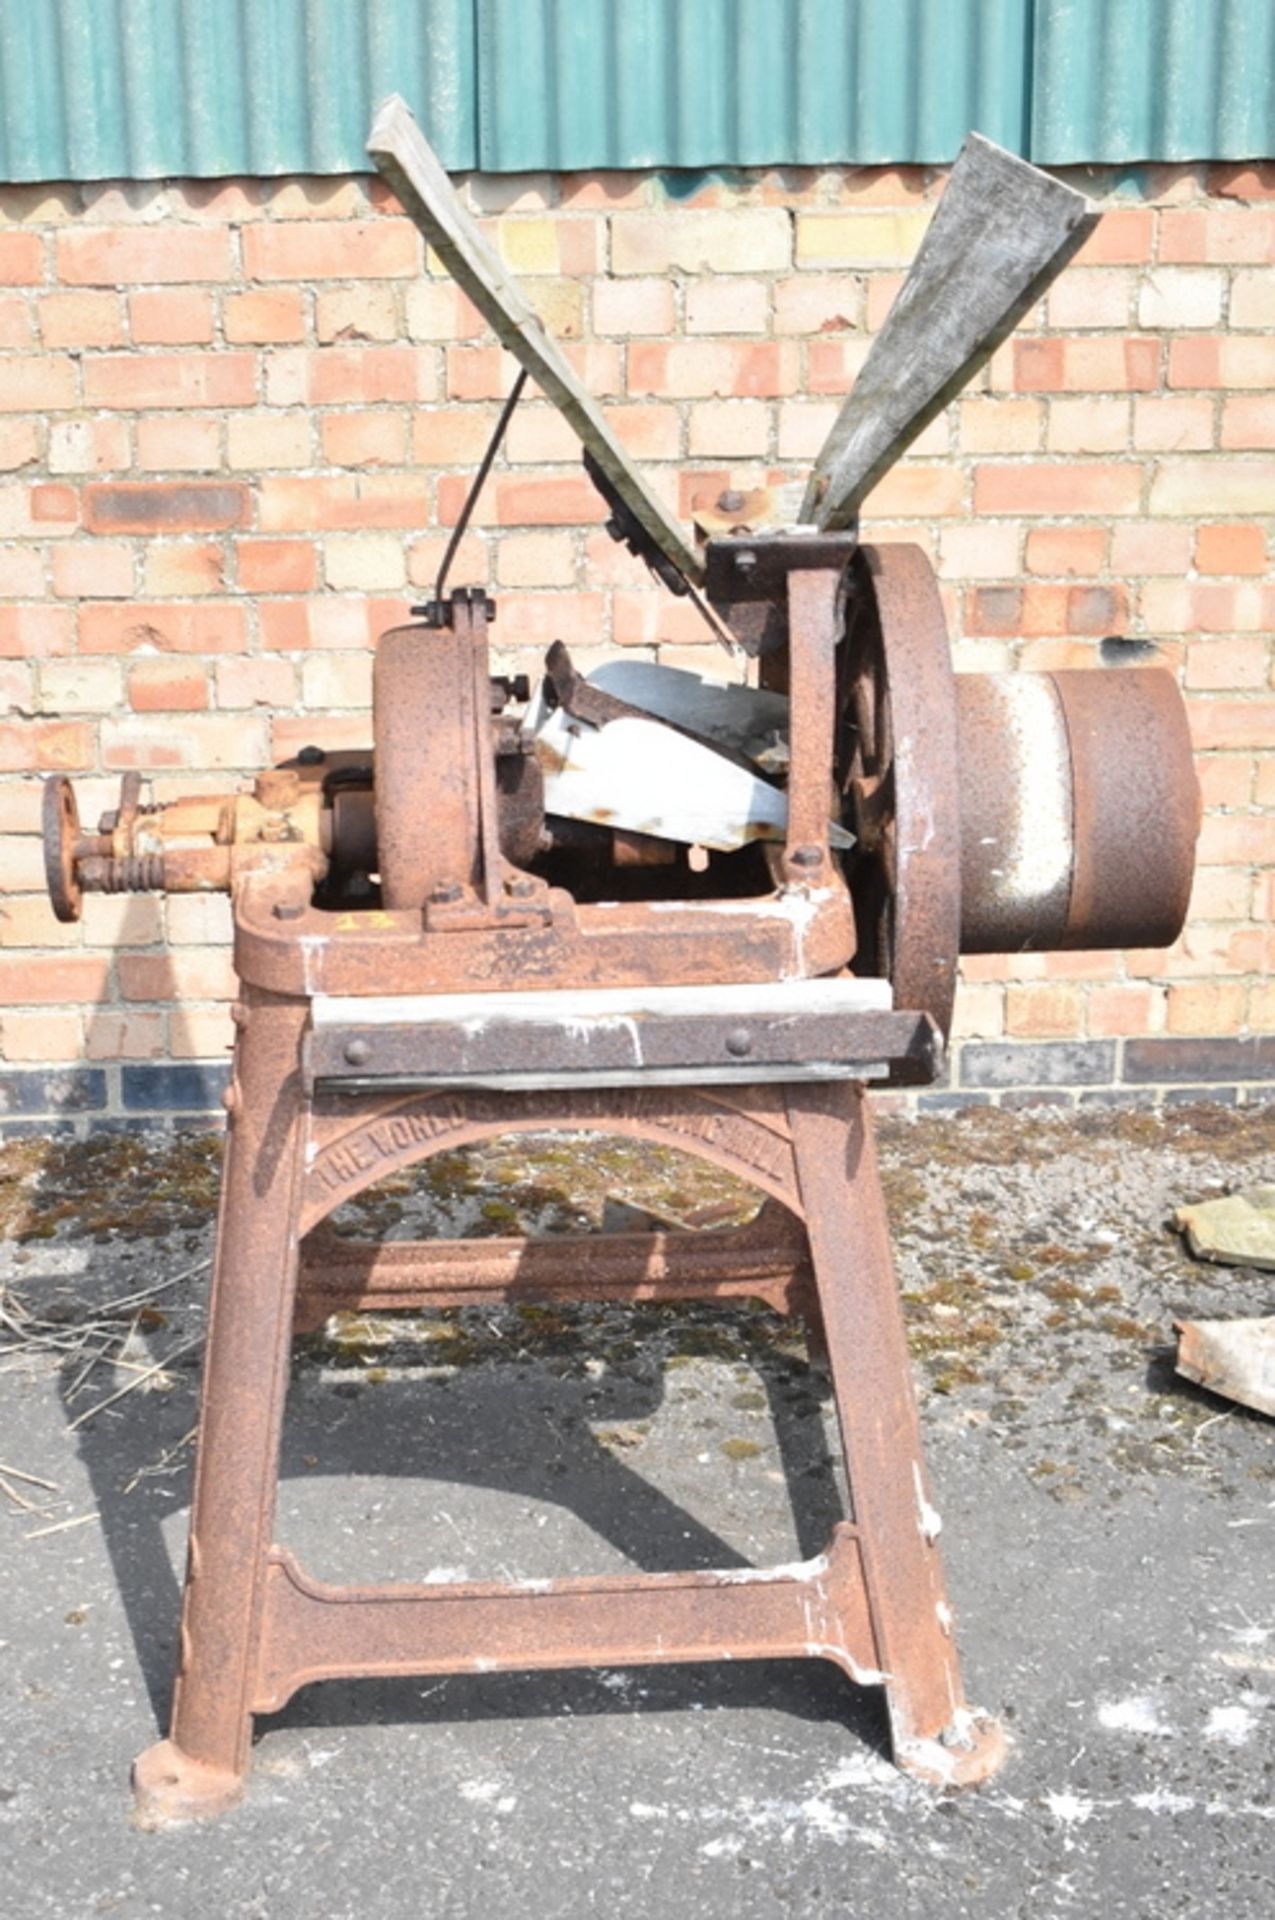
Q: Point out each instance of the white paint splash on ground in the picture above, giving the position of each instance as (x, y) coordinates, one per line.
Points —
(1138, 1714)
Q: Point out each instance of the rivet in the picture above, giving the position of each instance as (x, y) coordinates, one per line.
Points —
(739, 1041)
(806, 856)
(357, 1052)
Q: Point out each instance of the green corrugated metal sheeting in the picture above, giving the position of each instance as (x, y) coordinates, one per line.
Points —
(100, 89)
(118, 89)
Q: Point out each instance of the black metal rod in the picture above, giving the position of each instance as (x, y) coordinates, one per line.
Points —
(471, 498)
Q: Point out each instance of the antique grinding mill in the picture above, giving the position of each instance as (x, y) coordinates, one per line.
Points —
(648, 903)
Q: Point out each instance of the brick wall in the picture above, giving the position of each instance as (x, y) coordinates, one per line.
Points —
(236, 420)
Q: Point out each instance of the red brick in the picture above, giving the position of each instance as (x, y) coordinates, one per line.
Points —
(256, 681)
(1230, 724)
(81, 320)
(29, 633)
(1102, 365)
(36, 983)
(307, 504)
(913, 490)
(337, 733)
(542, 437)
(1206, 1006)
(39, 383)
(1122, 237)
(634, 306)
(171, 319)
(1075, 487)
(55, 505)
(205, 740)
(643, 618)
(176, 976)
(199, 627)
(170, 380)
(21, 259)
(480, 373)
(278, 566)
(1227, 666)
(1080, 550)
(541, 502)
(451, 436)
(164, 507)
(15, 323)
(1044, 1012)
(331, 250)
(1220, 360)
(1123, 1009)
(92, 570)
(347, 622)
(1172, 424)
(121, 1035)
(536, 560)
(1221, 235)
(364, 439)
(43, 1036)
(141, 255)
(1154, 547)
(360, 312)
(692, 369)
(1226, 780)
(45, 746)
(647, 431)
(21, 573)
(19, 444)
(338, 375)
(273, 318)
(540, 618)
(167, 686)
(184, 444)
(179, 567)
(994, 610)
(1248, 425)
(1033, 610)
(832, 366)
(993, 425)
(1231, 549)
(1039, 366)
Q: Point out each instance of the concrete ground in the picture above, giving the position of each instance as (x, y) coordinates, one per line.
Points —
(1109, 1535)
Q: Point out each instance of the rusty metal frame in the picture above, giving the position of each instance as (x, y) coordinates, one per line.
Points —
(255, 1626)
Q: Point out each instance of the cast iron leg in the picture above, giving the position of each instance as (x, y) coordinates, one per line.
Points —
(935, 1735)
(201, 1768)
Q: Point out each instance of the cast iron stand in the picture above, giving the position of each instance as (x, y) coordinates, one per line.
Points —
(255, 1626)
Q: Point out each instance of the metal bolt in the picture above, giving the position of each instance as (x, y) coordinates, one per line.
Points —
(520, 889)
(239, 1014)
(731, 501)
(230, 1097)
(311, 757)
(745, 561)
(287, 909)
(739, 1041)
(358, 1052)
(807, 856)
(445, 893)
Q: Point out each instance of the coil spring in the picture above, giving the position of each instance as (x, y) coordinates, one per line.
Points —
(135, 873)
